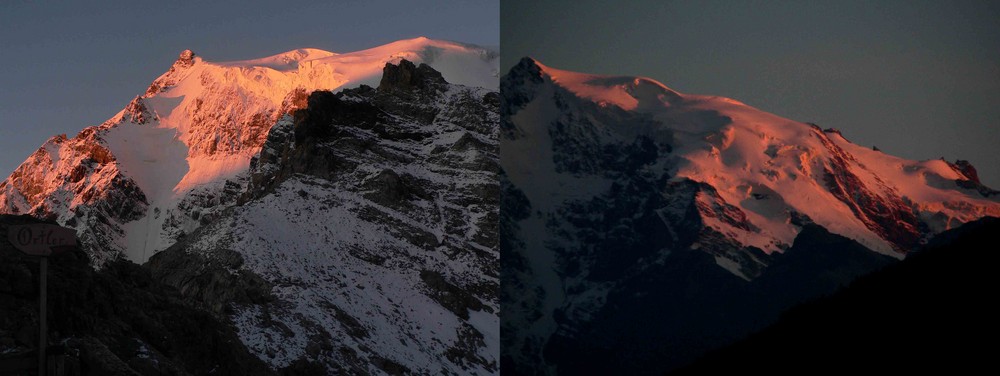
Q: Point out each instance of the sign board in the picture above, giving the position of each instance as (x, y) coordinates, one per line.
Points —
(41, 239)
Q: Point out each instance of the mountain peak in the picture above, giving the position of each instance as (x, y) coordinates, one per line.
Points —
(965, 168)
(528, 64)
(525, 69)
(185, 59)
(626, 92)
(135, 112)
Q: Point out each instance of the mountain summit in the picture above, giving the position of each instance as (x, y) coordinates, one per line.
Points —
(616, 186)
(176, 156)
(346, 232)
(758, 173)
(186, 59)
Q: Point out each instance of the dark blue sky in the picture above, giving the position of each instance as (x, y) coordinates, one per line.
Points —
(67, 65)
(918, 79)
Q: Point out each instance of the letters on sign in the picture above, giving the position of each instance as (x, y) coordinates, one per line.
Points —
(40, 239)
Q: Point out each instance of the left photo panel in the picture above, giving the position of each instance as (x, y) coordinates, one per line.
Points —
(250, 188)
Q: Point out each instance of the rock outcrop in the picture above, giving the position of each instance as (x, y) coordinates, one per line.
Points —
(365, 242)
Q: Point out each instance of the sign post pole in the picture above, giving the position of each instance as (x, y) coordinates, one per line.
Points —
(42, 325)
(42, 240)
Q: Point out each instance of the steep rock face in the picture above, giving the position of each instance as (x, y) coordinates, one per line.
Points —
(636, 207)
(77, 182)
(885, 214)
(171, 157)
(372, 216)
(969, 178)
(967, 170)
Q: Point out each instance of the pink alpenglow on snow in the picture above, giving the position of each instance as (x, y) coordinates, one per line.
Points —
(766, 168)
(159, 168)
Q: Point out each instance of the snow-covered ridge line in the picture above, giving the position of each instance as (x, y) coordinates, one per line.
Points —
(769, 167)
(191, 135)
(626, 92)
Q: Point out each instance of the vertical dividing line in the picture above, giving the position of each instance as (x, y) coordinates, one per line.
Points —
(42, 329)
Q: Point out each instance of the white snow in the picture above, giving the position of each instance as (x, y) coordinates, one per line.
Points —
(461, 64)
(156, 160)
(629, 93)
(211, 171)
(306, 251)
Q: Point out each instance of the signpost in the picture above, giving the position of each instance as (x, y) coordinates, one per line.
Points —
(41, 240)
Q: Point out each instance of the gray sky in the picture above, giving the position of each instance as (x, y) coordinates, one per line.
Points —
(68, 65)
(920, 80)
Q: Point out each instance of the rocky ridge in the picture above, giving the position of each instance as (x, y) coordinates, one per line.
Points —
(365, 242)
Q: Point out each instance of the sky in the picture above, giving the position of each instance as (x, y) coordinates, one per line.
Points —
(920, 80)
(68, 65)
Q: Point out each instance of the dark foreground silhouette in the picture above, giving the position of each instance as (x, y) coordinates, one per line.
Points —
(116, 321)
(933, 312)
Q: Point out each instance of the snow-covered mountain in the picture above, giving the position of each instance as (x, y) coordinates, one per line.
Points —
(616, 187)
(349, 233)
(366, 241)
(179, 153)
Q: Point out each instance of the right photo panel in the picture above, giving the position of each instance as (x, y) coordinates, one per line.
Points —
(774, 187)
